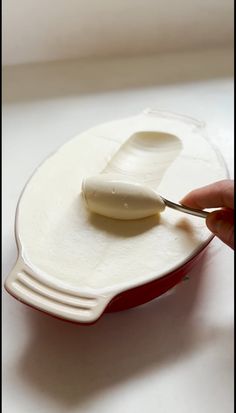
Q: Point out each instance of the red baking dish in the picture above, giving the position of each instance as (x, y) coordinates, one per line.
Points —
(32, 283)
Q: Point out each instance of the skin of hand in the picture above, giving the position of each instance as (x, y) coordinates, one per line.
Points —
(217, 195)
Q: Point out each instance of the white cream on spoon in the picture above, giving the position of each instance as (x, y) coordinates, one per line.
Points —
(117, 198)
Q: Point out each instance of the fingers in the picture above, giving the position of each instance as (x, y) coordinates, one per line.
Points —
(221, 223)
(218, 194)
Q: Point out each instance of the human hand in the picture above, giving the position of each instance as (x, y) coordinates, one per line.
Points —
(219, 194)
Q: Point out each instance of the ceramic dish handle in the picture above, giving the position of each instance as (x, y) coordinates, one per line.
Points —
(25, 285)
(174, 116)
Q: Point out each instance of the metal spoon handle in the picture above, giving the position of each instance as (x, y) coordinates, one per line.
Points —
(187, 210)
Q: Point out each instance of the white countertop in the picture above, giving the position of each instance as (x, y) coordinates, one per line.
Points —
(174, 354)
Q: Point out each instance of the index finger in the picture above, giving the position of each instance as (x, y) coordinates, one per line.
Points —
(218, 194)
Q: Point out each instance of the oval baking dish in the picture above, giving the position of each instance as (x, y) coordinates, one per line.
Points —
(76, 266)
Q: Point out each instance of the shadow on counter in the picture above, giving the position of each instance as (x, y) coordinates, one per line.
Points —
(71, 364)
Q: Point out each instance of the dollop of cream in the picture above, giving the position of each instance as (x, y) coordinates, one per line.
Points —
(120, 199)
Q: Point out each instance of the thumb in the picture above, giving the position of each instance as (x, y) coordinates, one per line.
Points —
(221, 223)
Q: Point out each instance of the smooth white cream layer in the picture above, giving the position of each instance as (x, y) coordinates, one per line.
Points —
(62, 239)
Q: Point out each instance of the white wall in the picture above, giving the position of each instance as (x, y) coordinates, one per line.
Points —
(39, 30)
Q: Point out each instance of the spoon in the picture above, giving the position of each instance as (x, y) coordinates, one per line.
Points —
(115, 197)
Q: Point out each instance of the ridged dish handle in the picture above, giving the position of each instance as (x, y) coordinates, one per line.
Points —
(175, 116)
(61, 302)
